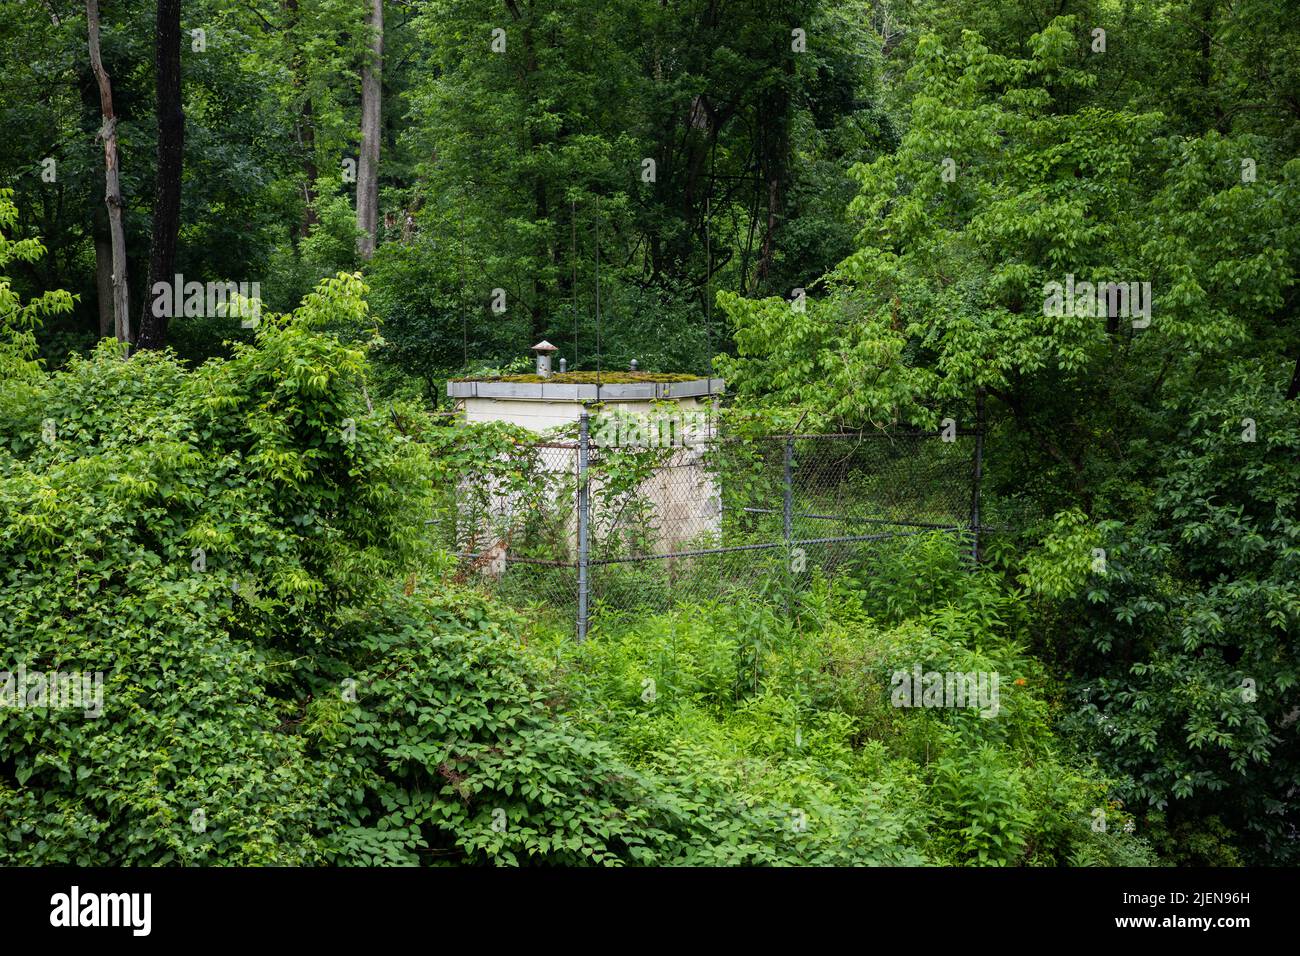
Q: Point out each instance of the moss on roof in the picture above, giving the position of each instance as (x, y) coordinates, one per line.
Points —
(588, 378)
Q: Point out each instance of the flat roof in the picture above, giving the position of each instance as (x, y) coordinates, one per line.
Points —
(606, 392)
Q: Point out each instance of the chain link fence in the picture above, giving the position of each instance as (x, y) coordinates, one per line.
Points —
(586, 525)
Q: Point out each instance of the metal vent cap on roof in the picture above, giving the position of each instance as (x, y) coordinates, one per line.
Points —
(543, 350)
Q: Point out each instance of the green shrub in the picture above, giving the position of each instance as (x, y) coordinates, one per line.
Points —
(239, 550)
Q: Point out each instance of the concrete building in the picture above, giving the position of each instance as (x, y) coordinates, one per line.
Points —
(637, 409)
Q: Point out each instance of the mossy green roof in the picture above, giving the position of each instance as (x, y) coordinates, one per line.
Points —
(587, 378)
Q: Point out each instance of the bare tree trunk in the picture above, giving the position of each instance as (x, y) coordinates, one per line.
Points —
(368, 168)
(99, 225)
(103, 271)
(112, 183)
(768, 249)
(167, 191)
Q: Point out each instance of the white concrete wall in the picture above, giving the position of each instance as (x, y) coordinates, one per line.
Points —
(683, 495)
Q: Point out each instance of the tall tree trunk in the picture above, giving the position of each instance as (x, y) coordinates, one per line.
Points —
(99, 230)
(368, 168)
(167, 194)
(304, 126)
(112, 182)
(774, 161)
(307, 138)
(103, 271)
(1205, 69)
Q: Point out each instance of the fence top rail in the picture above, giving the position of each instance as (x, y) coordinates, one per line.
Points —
(841, 436)
(574, 444)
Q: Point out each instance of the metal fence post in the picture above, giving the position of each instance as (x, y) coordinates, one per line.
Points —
(787, 515)
(978, 473)
(583, 518)
(788, 506)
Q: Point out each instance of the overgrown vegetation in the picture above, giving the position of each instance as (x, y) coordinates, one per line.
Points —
(288, 679)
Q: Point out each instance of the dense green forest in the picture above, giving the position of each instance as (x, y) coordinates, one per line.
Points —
(1075, 223)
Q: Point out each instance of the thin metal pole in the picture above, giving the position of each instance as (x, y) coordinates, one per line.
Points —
(708, 258)
(598, 353)
(583, 517)
(460, 266)
(787, 519)
(979, 471)
(708, 302)
(788, 507)
(573, 262)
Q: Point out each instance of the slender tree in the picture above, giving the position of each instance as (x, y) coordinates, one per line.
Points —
(99, 228)
(304, 122)
(167, 191)
(112, 182)
(368, 168)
